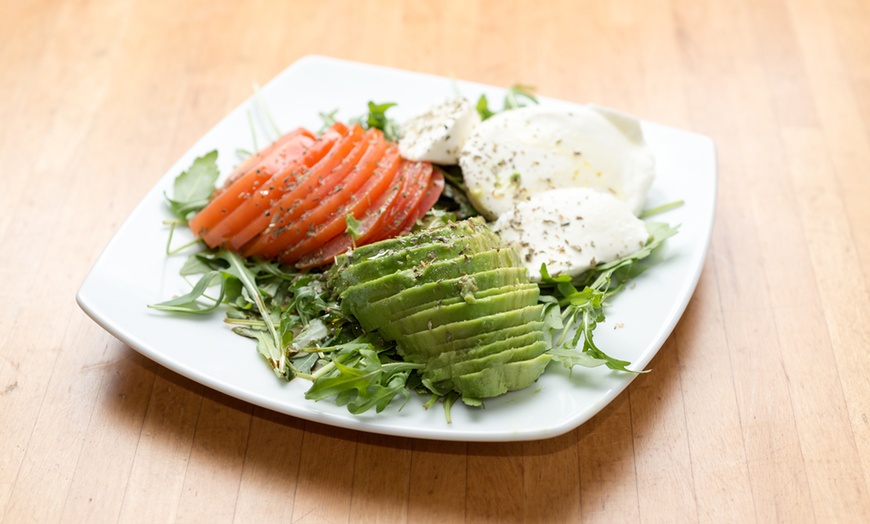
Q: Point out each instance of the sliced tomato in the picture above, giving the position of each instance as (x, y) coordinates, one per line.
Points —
(430, 196)
(247, 178)
(251, 162)
(307, 196)
(370, 225)
(418, 175)
(307, 224)
(282, 175)
(377, 178)
(265, 213)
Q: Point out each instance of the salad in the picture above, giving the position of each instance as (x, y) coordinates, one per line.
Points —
(523, 209)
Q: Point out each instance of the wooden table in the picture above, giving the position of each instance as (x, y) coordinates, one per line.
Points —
(757, 408)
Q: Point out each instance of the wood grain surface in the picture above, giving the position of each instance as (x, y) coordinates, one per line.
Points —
(757, 408)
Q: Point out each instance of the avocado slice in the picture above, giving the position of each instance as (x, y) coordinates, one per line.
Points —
(469, 298)
(431, 343)
(460, 346)
(354, 298)
(465, 288)
(510, 351)
(494, 381)
(439, 315)
(391, 261)
(509, 340)
(460, 229)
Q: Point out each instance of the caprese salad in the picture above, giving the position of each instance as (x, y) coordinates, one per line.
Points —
(458, 259)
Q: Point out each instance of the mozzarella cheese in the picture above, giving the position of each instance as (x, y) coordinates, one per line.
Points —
(518, 153)
(571, 230)
(438, 134)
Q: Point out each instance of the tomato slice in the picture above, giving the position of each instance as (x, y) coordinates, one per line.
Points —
(308, 222)
(370, 224)
(251, 162)
(308, 195)
(430, 196)
(271, 211)
(282, 173)
(377, 177)
(247, 178)
(418, 175)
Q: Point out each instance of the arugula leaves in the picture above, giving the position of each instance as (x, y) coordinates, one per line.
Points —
(512, 100)
(190, 302)
(363, 374)
(581, 302)
(193, 188)
(377, 118)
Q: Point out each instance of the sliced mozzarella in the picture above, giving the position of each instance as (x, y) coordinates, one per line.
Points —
(570, 230)
(518, 153)
(437, 135)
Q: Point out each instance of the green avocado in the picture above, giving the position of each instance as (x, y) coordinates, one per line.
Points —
(392, 261)
(359, 296)
(440, 315)
(455, 302)
(461, 346)
(466, 288)
(451, 231)
(510, 351)
(494, 381)
(469, 298)
(522, 338)
(461, 335)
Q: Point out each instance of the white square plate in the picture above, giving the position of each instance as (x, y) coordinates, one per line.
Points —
(134, 271)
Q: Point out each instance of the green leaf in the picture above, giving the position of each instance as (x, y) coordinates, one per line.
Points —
(347, 378)
(193, 188)
(483, 108)
(571, 358)
(190, 302)
(238, 269)
(514, 98)
(582, 300)
(352, 227)
(362, 376)
(378, 396)
(377, 118)
(515, 95)
(196, 264)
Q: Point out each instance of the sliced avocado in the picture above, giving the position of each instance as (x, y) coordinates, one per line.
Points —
(449, 291)
(469, 298)
(442, 234)
(354, 298)
(431, 343)
(484, 339)
(455, 302)
(511, 351)
(389, 262)
(494, 381)
(450, 358)
(439, 315)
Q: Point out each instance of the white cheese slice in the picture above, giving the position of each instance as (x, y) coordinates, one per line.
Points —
(570, 230)
(518, 153)
(438, 134)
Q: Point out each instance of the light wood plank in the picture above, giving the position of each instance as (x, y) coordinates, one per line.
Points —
(439, 487)
(271, 469)
(605, 455)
